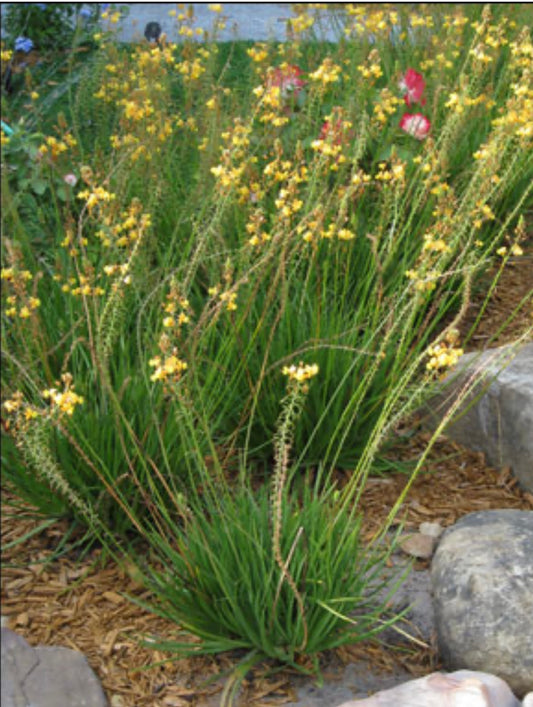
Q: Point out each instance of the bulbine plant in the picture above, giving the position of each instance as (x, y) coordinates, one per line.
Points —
(277, 570)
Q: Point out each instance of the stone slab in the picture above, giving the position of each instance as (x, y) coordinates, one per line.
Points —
(46, 676)
(497, 418)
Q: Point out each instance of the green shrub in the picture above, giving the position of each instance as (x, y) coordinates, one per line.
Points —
(50, 26)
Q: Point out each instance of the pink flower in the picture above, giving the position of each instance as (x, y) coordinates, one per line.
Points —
(70, 179)
(413, 83)
(287, 78)
(415, 124)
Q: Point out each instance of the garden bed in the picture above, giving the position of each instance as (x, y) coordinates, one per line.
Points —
(192, 233)
(82, 605)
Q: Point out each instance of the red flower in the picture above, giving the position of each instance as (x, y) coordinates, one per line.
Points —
(287, 78)
(415, 124)
(331, 131)
(413, 83)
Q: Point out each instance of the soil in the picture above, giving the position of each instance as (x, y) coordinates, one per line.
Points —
(82, 604)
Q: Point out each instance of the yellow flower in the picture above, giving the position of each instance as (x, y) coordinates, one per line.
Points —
(15, 403)
(442, 356)
(258, 53)
(171, 366)
(229, 298)
(301, 372)
(327, 72)
(345, 234)
(66, 401)
(437, 246)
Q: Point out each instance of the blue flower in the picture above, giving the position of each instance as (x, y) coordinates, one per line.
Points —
(85, 12)
(41, 5)
(23, 44)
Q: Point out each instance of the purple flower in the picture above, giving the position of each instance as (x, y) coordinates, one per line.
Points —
(23, 44)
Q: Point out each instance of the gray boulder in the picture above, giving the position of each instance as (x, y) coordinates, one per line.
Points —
(500, 421)
(482, 581)
(46, 676)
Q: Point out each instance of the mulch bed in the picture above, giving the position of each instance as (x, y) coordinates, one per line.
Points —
(80, 604)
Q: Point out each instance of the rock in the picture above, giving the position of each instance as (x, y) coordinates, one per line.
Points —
(46, 676)
(434, 530)
(410, 594)
(482, 580)
(463, 688)
(528, 700)
(419, 545)
(356, 680)
(500, 422)
(18, 660)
